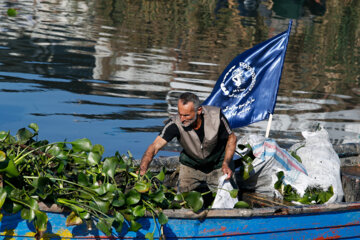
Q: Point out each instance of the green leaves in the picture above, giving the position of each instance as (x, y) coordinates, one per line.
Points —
(119, 199)
(247, 170)
(132, 197)
(246, 159)
(83, 144)
(73, 220)
(3, 195)
(74, 175)
(83, 179)
(93, 158)
(163, 219)
(241, 204)
(29, 212)
(323, 197)
(119, 220)
(109, 166)
(234, 193)
(158, 196)
(58, 150)
(41, 220)
(149, 236)
(278, 183)
(134, 226)
(12, 12)
(3, 135)
(2, 156)
(99, 149)
(23, 135)
(34, 127)
(42, 185)
(102, 206)
(312, 195)
(142, 186)
(139, 211)
(161, 175)
(8, 166)
(104, 225)
(297, 157)
(194, 200)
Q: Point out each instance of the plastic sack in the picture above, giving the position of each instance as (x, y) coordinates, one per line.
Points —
(223, 198)
(269, 160)
(321, 161)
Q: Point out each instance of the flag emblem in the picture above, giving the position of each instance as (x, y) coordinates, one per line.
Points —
(240, 82)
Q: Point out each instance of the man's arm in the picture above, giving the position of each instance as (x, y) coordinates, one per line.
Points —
(152, 150)
(229, 153)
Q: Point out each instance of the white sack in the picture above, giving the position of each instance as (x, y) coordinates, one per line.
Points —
(223, 198)
(321, 161)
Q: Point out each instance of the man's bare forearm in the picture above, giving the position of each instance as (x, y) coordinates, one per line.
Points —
(146, 159)
(230, 148)
(150, 152)
(229, 153)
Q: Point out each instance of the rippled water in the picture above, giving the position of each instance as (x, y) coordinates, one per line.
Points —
(111, 70)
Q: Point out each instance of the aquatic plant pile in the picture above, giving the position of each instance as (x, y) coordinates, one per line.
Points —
(312, 195)
(106, 192)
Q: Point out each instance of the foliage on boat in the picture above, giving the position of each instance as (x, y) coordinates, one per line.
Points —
(313, 195)
(108, 191)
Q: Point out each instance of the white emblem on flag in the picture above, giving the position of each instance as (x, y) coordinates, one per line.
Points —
(240, 82)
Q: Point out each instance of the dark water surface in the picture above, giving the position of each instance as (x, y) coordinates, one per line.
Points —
(111, 70)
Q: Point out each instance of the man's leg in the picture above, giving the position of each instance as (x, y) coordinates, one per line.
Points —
(189, 178)
(212, 179)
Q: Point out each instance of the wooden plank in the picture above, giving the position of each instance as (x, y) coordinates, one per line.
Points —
(350, 178)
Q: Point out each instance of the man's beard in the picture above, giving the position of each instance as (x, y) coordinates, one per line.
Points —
(190, 122)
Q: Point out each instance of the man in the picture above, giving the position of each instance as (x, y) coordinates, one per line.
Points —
(207, 140)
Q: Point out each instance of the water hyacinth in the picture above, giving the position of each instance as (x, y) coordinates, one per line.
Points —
(108, 191)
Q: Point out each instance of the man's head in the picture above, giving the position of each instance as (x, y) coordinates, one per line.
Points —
(188, 108)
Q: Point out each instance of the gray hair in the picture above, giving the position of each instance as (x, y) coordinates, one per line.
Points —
(190, 97)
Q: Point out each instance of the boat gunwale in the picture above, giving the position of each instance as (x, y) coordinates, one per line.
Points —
(241, 212)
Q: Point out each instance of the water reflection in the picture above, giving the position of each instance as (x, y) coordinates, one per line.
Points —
(112, 70)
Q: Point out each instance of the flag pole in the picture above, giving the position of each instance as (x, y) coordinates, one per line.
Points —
(268, 126)
(270, 117)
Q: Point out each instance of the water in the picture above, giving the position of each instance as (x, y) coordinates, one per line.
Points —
(111, 70)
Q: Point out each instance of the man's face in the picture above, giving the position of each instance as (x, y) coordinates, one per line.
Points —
(187, 113)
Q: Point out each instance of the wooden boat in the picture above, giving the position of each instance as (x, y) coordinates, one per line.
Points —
(271, 219)
(333, 221)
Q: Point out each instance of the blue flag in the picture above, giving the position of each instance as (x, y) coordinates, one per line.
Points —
(247, 89)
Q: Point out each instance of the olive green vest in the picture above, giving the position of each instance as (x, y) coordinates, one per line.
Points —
(200, 155)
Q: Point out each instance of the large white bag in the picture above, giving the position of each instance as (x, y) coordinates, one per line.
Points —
(321, 161)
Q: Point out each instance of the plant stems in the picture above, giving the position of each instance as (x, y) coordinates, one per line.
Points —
(63, 180)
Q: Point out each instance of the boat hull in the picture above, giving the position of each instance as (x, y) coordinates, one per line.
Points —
(315, 222)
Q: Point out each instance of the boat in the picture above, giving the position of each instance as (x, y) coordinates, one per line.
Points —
(268, 219)
(333, 221)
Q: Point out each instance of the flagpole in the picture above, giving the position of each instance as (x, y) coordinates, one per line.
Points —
(268, 126)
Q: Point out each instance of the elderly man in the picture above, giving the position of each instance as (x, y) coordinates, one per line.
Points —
(207, 140)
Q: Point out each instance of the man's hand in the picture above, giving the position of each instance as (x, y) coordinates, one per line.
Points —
(142, 172)
(226, 170)
(152, 150)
